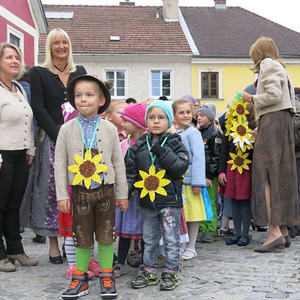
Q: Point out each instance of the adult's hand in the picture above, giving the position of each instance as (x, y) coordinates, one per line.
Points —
(29, 159)
(63, 205)
(196, 190)
(247, 97)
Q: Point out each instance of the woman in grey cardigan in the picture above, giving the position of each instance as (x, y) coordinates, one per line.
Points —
(274, 179)
(16, 153)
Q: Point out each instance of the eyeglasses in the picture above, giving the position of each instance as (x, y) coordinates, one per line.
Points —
(158, 117)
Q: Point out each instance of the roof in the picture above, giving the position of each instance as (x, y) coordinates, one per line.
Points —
(138, 27)
(39, 15)
(231, 31)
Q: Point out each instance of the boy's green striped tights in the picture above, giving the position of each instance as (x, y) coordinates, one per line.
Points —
(105, 255)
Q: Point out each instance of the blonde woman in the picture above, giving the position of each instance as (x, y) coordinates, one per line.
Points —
(16, 154)
(274, 177)
(48, 92)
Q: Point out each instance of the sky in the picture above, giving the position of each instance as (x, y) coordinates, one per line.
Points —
(284, 12)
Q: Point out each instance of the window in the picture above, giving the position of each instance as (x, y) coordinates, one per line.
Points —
(210, 84)
(160, 83)
(117, 77)
(15, 37)
(14, 40)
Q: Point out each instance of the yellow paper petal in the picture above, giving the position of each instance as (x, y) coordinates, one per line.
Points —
(232, 155)
(74, 168)
(152, 170)
(152, 195)
(78, 159)
(233, 167)
(246, 167)
(143, 174)
(161, 191)
(96, 178)
(101, 168)
(164, 182)
(77, 179)
(97, 158)
(160, 174)
(230, 161)
(144, 193)
(88, 155)
(87, 182)
(139, 184)
(240, 169)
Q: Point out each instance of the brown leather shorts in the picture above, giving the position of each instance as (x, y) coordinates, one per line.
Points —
(93, 211)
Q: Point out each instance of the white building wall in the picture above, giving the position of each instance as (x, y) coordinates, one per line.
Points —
(138, 70)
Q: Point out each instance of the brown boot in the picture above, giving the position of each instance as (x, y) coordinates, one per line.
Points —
(7, 266)
(23, 259)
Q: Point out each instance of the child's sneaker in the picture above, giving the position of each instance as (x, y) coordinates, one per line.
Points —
(120, 270)
(78, 287)
(94, 268)
(107, 284)
(189, 253)
(144, 279)
(70, 271)
(169, 281)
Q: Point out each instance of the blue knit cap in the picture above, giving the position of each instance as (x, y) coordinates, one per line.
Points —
(165, 106)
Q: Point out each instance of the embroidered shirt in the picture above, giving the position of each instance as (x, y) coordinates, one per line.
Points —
(88, 128)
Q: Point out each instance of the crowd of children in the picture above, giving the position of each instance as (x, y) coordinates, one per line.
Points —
(152, 154)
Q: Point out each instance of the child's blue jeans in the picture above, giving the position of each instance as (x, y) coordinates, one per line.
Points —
(165, 221)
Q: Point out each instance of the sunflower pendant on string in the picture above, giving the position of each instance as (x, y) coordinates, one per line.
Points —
(87, 169)
(152, 183)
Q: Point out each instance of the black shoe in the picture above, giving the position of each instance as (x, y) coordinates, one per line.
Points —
(79, 286)
(107, 285)
(233, 240)
(144, 279)
(243, 241)
(56, 260)
(261, 229)
(228, 232)
(39, 239)
(168, 282)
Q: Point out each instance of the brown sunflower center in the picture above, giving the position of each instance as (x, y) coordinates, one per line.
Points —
(240, 109)
(87, 169)
(151, 183)
(238, 161)
(241, 130)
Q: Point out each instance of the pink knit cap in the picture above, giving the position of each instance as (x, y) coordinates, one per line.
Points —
(135, 113)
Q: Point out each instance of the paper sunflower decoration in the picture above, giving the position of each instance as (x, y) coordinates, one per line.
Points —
(239, 161)
(87, 169)
(152, 183)
(241, 134)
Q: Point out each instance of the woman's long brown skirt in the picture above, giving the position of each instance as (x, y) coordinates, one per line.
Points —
(274, 162)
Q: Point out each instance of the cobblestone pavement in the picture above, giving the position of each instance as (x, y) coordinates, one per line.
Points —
(219, 272)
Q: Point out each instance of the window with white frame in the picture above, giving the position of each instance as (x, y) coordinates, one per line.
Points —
(118, 78)
(210, 84)
(15, 37)
(160, 83)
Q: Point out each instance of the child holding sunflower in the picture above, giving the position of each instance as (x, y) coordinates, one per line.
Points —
(155, 168)
(235, 167)
(89, 146)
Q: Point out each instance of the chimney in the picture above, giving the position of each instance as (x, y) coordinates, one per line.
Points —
(171, 10)
(127, 3)
(220, 3)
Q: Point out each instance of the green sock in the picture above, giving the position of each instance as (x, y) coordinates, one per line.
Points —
(82, 258)
(106, 255)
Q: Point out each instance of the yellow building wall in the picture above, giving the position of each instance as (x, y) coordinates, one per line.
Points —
(234, 79)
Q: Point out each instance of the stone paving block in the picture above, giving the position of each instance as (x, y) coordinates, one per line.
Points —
(277, 295)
